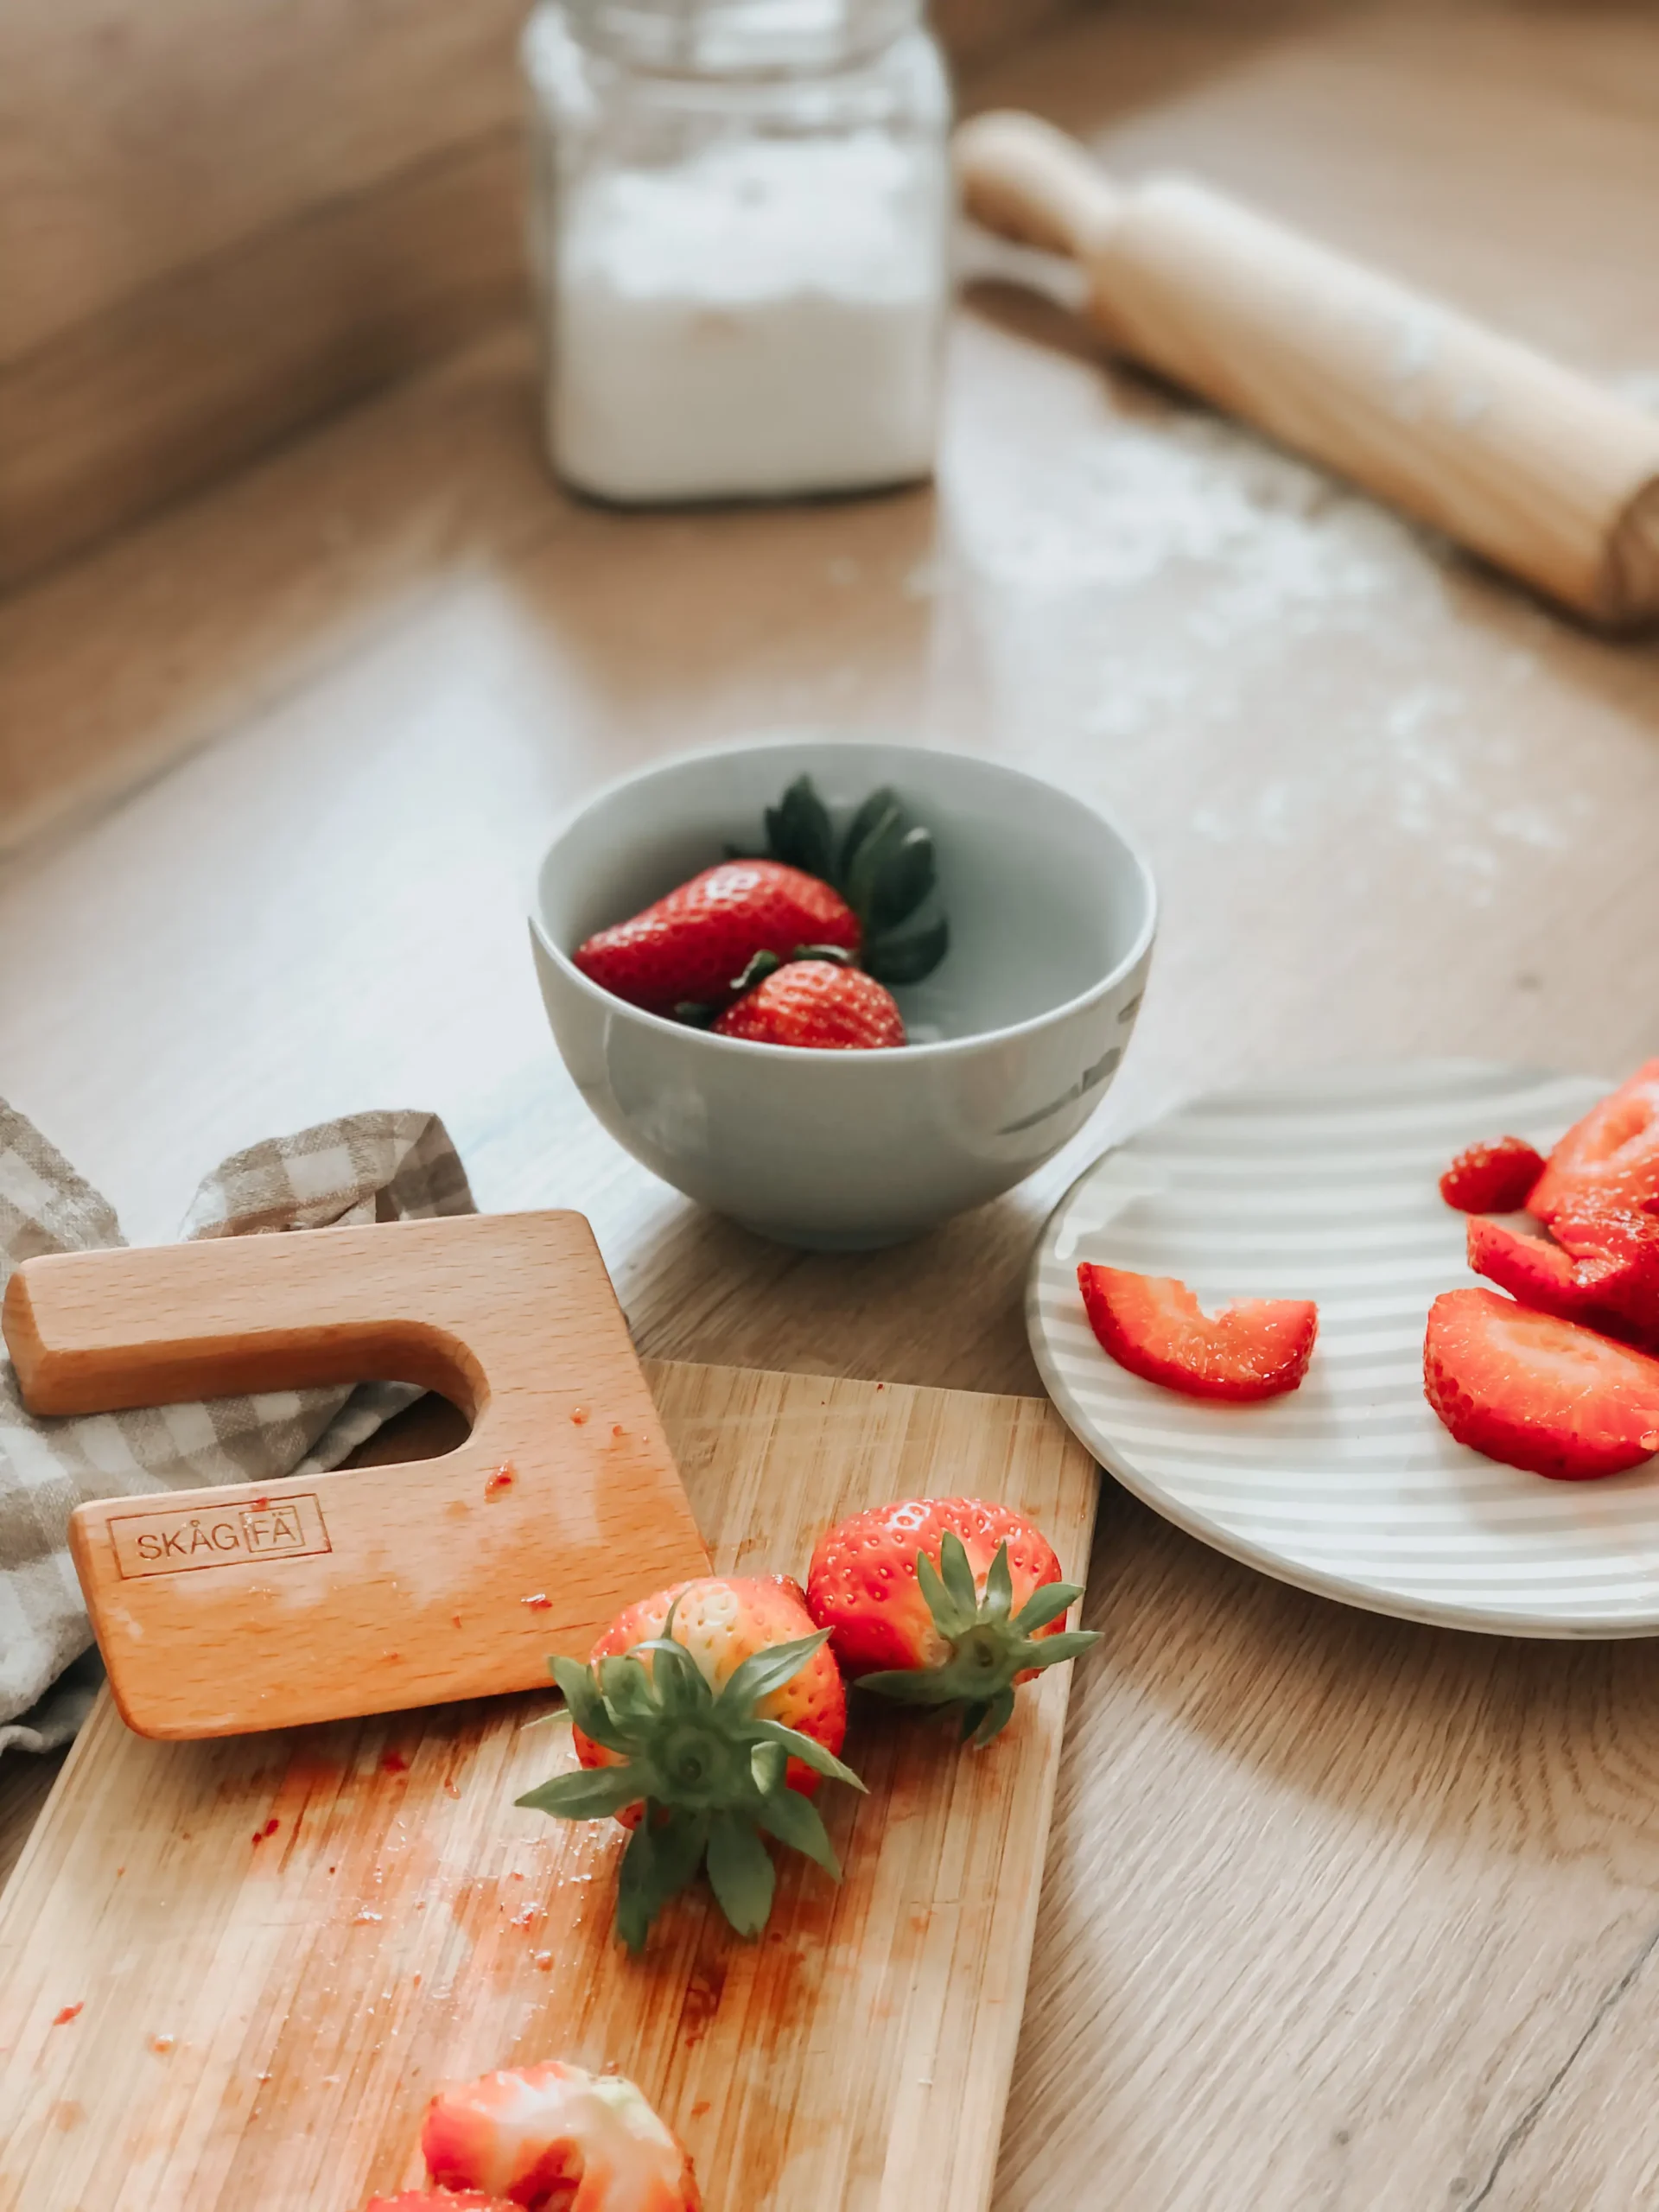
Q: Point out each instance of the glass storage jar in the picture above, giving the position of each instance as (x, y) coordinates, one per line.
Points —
(738, 241)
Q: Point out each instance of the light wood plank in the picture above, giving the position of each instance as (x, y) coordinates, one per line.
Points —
(219, 225)
(280, 1944)
(25, 1782)
(210, 364)
(1393, 807)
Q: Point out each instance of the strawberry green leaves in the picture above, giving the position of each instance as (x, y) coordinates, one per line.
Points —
(990, 1645)
(709, 1772)
(800, 833)
(740, 1874)
(884, 866)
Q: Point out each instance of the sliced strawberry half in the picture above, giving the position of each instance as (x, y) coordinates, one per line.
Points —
(1537, 1391)
(1611, 1159)
(1493, 1178)
(1542, 1275)
(1600, 1269)
(1153, 1325)
(551, 2136)
(1619, 1248)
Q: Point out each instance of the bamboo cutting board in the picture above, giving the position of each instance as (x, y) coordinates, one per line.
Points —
(233, 1971)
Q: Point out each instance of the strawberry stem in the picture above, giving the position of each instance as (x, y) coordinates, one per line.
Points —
(884, 866)
(990, 1644)
(708, 1769)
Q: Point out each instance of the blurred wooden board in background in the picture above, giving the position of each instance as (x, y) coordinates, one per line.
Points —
(259, 214)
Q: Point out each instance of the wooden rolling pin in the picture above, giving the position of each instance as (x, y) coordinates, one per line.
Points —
(1536, 468)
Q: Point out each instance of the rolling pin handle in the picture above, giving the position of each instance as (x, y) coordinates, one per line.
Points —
(1027, 182)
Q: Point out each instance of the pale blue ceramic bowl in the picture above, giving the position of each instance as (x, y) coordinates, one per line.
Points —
(1018, 1033)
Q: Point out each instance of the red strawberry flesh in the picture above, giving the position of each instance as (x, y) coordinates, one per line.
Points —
(1492, 1178)
(1608, 1280)
(1609, 1160)
(693, 945)
(1537, 1391)
(1539, 1273)
(1153, 1325)
(426, 2199)
(1618, 1247)
(549, 2136)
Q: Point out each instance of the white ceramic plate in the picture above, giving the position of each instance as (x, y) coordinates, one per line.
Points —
(1349, 1486)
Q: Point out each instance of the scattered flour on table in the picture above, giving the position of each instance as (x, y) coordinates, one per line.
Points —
(1639, 387)
(1148, 580)
(1134, 504)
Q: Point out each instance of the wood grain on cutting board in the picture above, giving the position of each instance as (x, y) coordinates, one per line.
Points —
(278, 1945)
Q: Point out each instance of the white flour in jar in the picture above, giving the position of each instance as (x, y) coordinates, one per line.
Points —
(762, 319)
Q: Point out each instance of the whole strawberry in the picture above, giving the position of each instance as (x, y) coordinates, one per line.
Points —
(705, 1717)
(684, 954)
(859, 891)
(944, 1600)
(818, 1004)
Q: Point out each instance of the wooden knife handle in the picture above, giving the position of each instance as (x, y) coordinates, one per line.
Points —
(1527, 463)
(269, 1603)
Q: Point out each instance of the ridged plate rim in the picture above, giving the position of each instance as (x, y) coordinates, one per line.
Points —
(1417, 1114)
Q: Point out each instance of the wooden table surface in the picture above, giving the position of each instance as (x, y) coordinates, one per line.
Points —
(1339, 1913)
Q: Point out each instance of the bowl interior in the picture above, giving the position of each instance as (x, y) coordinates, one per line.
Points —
(1044, 898)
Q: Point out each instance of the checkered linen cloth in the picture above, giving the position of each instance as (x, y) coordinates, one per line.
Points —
(369, 1167)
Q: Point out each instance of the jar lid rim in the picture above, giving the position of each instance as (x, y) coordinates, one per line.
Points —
(730, 38)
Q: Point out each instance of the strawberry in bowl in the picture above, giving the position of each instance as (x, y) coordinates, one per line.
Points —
(1014, 1023)
(705, 1716)
(852, 897)
(935, 1601)
(683, 956)
(818, 1003)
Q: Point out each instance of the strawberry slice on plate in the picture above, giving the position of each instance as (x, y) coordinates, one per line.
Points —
(1541, 1274)
(1153, 1325)
(1611, 1159)
(1601, 1270)
(1537, 1391)
(1494, 1178)
(1617, 1247)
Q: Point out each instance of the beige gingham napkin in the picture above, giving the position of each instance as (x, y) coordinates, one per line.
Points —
(367, 1167)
